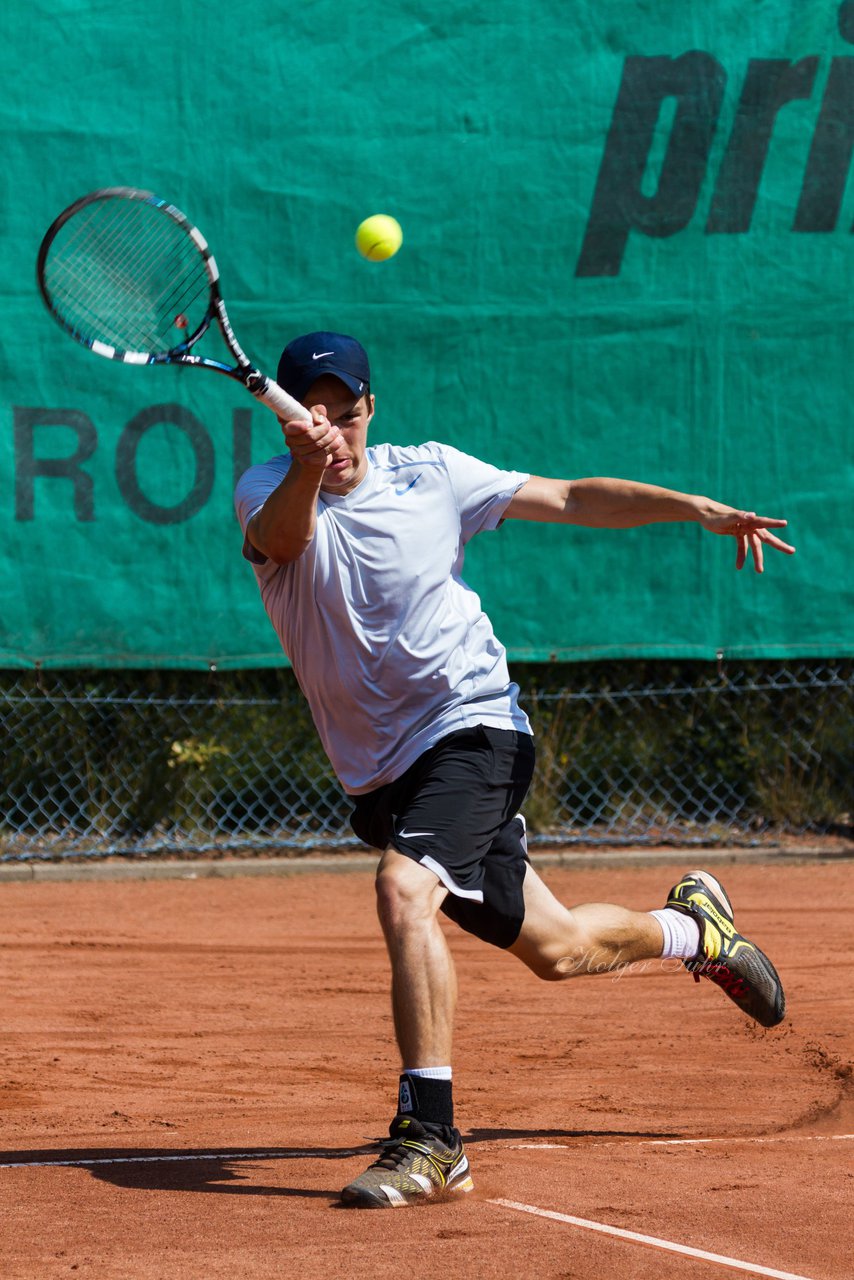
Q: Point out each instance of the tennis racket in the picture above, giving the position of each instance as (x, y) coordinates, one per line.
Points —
(131, 278)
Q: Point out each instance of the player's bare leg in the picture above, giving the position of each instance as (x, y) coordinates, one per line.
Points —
(424, 981)
(556, 942)
(696, 926)
(425, 1152)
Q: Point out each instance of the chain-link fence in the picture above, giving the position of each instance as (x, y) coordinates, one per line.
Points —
(98, 763)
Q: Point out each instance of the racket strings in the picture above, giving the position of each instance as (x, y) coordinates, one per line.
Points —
(98, 265)
(119, 295)
(114, 259)
(104, 300)
(121, 272)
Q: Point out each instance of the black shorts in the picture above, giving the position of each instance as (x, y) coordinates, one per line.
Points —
(456, 811)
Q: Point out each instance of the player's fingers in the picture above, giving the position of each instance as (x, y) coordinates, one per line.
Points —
(756, 549)
(298, 427)
(771, 540)
(296, 430)
(316, 435)
(741, 550)
(327, 437)
(763, 522)
(744, 522)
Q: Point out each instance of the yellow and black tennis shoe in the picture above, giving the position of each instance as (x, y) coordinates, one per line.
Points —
(417, 1161)
(726, 958)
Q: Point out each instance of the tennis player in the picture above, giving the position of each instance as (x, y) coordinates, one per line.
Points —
(358, 553)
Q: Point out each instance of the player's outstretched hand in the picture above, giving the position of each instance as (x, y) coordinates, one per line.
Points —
(751, 533)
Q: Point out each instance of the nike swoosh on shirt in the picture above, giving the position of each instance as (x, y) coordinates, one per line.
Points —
(408, 834)
(406, 487)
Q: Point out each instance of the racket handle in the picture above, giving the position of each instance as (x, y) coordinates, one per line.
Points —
(272, 395)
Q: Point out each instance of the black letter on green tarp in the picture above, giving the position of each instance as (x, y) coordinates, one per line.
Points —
(126, 476)
(769, 84)
(830, 154)
(697, 81)
(241, 441)
(28, 467)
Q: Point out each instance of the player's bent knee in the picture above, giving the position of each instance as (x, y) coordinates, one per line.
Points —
(546, 970)
(407, 894)
(556, 961)
(555, 966)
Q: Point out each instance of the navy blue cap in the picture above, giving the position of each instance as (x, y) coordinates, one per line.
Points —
(305, 359)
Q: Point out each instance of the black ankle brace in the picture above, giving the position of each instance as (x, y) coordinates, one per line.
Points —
(427, 1100)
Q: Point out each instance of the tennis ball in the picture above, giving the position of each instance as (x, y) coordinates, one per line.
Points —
(379, 237)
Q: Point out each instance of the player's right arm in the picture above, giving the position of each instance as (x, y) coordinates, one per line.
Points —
(284, 527)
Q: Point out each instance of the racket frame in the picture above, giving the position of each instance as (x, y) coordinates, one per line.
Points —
(243, 371)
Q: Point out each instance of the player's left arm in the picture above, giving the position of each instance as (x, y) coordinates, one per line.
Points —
(602, 502)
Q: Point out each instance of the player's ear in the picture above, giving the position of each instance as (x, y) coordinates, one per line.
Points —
(369, 401)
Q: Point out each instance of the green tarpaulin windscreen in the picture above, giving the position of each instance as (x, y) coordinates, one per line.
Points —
(628, 247)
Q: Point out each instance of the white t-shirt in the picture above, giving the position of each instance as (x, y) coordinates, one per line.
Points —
(390, 647)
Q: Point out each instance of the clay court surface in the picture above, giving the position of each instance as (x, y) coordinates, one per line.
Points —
(192, 1068)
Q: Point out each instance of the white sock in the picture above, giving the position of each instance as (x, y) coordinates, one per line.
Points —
(681, 934)
(429, 1073)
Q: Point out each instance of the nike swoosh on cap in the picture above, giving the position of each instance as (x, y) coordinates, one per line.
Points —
(318, 355)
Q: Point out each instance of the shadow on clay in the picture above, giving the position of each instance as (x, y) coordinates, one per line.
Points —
(232, 1173)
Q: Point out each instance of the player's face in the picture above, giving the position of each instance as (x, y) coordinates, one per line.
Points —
(351, 415)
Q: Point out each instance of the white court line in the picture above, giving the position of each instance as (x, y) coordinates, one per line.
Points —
(635, 1236)
(679, 1142)
(794, 1137)
(299, 1153)
(201, 1157)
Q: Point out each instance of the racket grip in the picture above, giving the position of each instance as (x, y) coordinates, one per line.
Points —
(272, 395)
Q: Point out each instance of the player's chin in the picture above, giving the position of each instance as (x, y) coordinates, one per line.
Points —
(338, 473)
